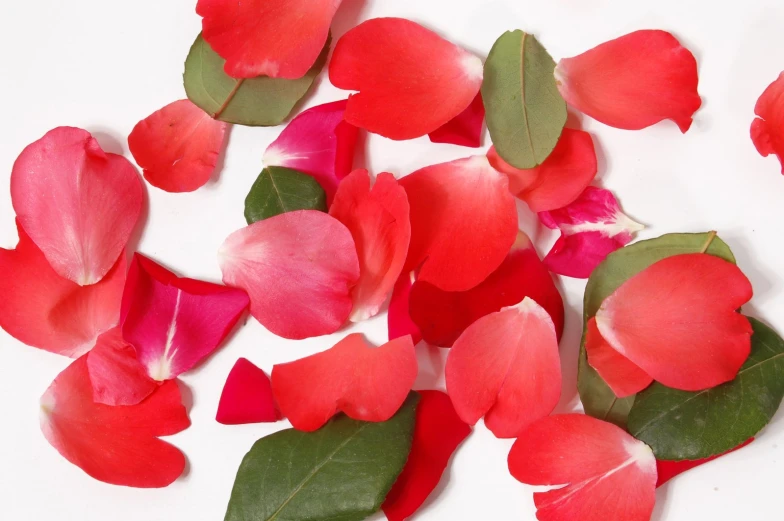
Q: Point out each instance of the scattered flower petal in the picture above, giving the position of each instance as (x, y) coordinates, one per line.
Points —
(465, 129)
(247, 396)
(666, 470)
(116, 375)
(767, 130)
(399, 321)
(617, 371)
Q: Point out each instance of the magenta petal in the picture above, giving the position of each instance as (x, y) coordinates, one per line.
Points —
(247, 396)
(116, 375)
(465, 129)
(399, 322)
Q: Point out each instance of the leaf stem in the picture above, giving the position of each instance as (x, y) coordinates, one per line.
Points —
(230, 97)
(711, 236)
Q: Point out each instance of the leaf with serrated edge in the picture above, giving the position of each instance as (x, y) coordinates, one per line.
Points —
(278, 190)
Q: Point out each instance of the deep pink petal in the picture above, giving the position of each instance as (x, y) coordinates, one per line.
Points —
(247, 396)
(465, 129)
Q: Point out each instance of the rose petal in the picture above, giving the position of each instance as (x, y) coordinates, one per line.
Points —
(465, 129)
(667, 470)
(617, 371)
(116, 375)
(399, 321)
(767, 130)
(246, 397)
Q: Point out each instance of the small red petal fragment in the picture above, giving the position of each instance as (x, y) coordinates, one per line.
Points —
(178, 146)
(767, 130)
(560, 180)
(44, 310)
(367, 383)
(434, 79)
(608, 474)
(399, 321)
(175, 323)
(592, 227)
(667, 470)
(76, 202)
(277, 38)
(438, 432)
(318, 142)
(247, 396)
(463, 222)
(299, 269)
(378, 221)
(633, 82)
(618, 372)
(442, 316)
(465, 129)
(116, 375)
(117, 445)
(671, 322)
(506, 367)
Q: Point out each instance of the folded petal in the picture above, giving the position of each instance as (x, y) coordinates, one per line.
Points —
(175, 323)
(299, 269)
(44, 310)
(633, 82)
(399, 321)
(607, 474)
(672, 322)
(378, 221)
(117, 445)
(560, 180)
(434, 79)
(767, 130)
(592, 227)
(366, 383)
(76, 202)
(617, 371)
(438, 432)
(463, 222)
(666, 470)
(116, 375)
(178, 146)
(247, 396)
(276, 38)
(506, 367)
(465, 129)
(442, 316)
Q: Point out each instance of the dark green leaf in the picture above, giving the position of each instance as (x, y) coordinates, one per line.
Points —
(597, 397)
(279, 190)
(261, 101)
(525, 111)
(682, 425)
(341, 472)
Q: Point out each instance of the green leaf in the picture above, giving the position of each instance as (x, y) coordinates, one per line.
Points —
(525, 111)
(341, 472)
(597, 397)
(261, 101)
(681, 425)
(279, 190)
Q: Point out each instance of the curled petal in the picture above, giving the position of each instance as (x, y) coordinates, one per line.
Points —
(399, 321)
(247, 396)
(618, 372)
(465, 129)
(116, 375)
(767, 130)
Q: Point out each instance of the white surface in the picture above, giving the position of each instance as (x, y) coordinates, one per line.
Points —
(103, 65)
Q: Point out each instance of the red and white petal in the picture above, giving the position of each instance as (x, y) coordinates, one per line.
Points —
(116, 375)
(463, 238)
(607, 474)
(435, 80)
(633, 82)
(277, 38)
(399, 321)
(671, 322)
(617, 371)
(318, 142)
(299, 269)
(178, 146)
(465, 129)
(442, 316)
(560, 180)
(44, 310)
(767, 129)
(247, 396)
(506, 367)
(77, 203)
(592, 227)
(378, 220)
(366, 383)
(438, 432)
(175, 323)
(117, 445)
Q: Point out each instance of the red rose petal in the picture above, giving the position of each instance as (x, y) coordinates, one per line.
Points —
(442, 316)
(399, 321)
(633, 82)
(438, 432)
(463, 222)
(277, 38)
(592, 227)
(175, 323)
(117, 445)
(767, 130)
(560, 180)
(667, 470)
(607, 473)
(617, 371)
(76, 202)
(116, 375)
(434, 79)
(506, 367)
(44, 310)
(367, 383)
(465, 129)
(378, 220)
(298, 268)
(177, 146)
(246, 397)
(318, 142)
(671, 322)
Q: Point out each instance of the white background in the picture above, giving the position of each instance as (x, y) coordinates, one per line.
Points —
(104, 65)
